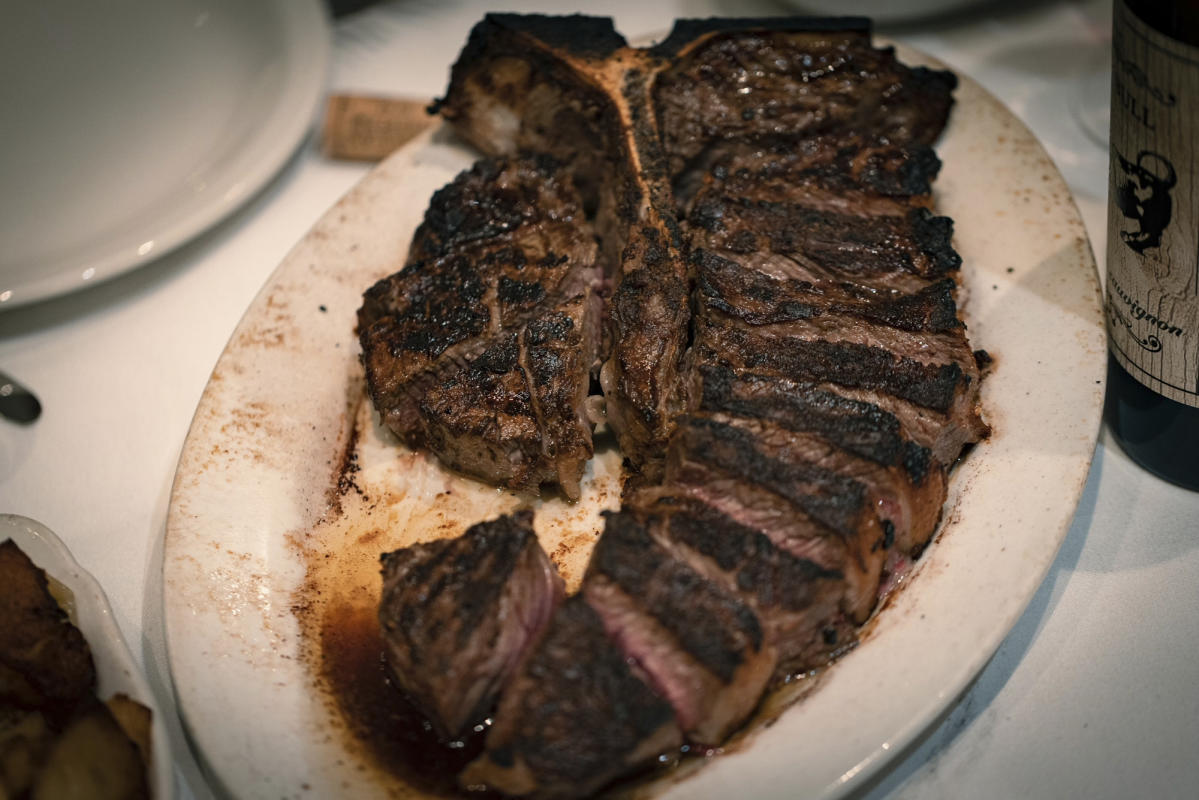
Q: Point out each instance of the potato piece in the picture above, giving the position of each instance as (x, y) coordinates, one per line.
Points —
(44, 657)
(92, 760)
(24, 740)
(135, 720)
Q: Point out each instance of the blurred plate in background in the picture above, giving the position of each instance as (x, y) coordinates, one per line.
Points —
(131, 126)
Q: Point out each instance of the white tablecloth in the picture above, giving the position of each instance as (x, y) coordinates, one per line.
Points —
(1095, 693)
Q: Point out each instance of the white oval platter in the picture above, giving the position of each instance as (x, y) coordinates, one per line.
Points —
(287, 491)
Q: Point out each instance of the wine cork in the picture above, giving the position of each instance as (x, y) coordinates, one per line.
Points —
(361, 128)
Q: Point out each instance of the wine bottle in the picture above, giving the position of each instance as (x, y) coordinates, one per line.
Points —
(1152, 298)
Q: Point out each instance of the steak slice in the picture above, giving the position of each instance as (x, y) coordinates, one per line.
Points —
(906, 487)
(575, 716)
(948, 390)
(458, 614)
(804, 509)
(797, 601)
(737, 288)
(642, 378)
(865, 248)
(701, 646)
(494, 199)
(751, 79)
(557, 350)
(861, 428)
(843, 172)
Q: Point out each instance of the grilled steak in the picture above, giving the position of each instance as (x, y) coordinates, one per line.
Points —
(481, 348)
(747, 80)
(783, 361)
(553, 84)
(702, 646)
(796, 600)
(458, 614)
(573, 717)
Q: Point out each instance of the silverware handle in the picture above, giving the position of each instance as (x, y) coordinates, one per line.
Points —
(16, 402)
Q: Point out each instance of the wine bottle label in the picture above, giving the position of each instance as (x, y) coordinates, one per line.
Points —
(1153, 210)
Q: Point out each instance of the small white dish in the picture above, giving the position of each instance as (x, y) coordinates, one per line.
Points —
(116, 671)
(129, 127)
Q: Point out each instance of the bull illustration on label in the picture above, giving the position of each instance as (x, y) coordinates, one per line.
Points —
(1143, 195)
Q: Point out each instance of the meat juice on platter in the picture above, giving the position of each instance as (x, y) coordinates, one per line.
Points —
(724, 247)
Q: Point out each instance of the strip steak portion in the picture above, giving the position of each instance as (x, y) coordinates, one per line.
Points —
(702, 646)
(575, 716)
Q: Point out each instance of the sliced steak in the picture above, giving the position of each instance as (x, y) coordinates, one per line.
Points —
(575, 716)
(458, 614)
(891, 250)
(785, 368)
(905, 353)
(797, 601)
(805, 509)
(750, 79)
(906, 486)
(494, 199)
(841, 173)
(702, 647)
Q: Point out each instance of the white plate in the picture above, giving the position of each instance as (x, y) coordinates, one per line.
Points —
(116, 671)
(131, 126)
(286, 492)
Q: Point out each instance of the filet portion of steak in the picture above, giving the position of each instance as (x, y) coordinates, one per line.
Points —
(569, 86)
(481, 348)
(574, 716)
(458, 615)
(702, 647)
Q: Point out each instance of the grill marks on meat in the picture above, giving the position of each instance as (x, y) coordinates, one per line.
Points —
(701, 646)
(588, 106)
(873, 249)
(785, 367)
(458, 614)
(575, 716)
(837, 173)
(772, 80)
(642, 379)
(796, 599)
(481, 348)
